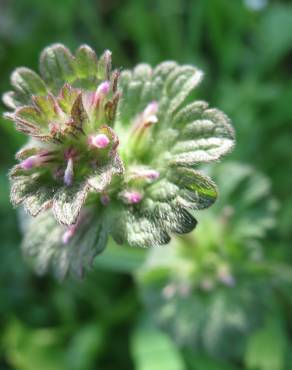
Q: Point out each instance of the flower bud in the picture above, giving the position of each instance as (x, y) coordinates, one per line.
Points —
(99, 141)
(144, 173)
(131, 196)
(101, 91)
(103, 88)
(30, 162)
(36, 160)
(69, 173)
(149, 114)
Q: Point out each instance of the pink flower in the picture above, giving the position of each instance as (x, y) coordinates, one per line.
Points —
(131, 196)
(99, 141)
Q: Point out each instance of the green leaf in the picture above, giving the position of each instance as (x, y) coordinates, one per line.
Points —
(13, 100)
(68, 96)
(202, 140)
(266, 348)
(39, 200)
(42, 243)
(104, 65)
(189, 113)
(171, 216)
(21, 187)
(187, 135)
(68, 202)
(168, 84)
(56, 66)
(179, 84)
(153, 350)
(162, 190)
(28, 83)
(137, 230)
(102, 177)
(196, 190)
(32, 193)
(99, 180)
(166, 201)
(175, 218)
(34, 119)
(86, 62)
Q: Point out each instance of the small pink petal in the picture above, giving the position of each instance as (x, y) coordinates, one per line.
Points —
(151, 174)
(100, 141)
(144, 174)
(151, 109)
(135, 197)
(103, 88)
(131, 197)
(30, 162)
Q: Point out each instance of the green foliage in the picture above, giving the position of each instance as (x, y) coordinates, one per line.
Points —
(267, 347)
(154, 350)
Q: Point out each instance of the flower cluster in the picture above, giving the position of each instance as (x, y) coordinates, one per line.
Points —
(109, 153)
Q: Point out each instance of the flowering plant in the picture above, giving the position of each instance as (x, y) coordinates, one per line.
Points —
(109, 153)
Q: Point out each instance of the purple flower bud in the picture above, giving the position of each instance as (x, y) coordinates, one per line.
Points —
(150, 174)
(103, 88)
(37, 160)
(153, 174)
(99, 141)
(101, 91)
(143, 174)
(131, 196)
(68, 175)
(30, 162)
(150, 114)
(105, 199)
(145, 119)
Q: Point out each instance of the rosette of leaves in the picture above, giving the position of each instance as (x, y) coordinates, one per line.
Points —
(210, 291)
(109, 153)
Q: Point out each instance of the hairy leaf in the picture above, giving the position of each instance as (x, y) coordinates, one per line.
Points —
(56, 66)
(68, 202)
(137, 230)
(43, 244)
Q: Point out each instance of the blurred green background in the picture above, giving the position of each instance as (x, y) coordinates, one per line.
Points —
(218, 299)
